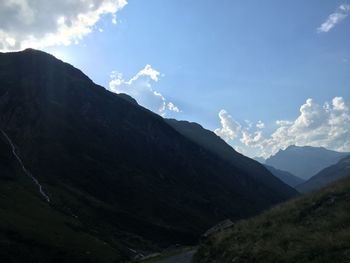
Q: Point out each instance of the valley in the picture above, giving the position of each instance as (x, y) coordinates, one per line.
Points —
(91, 176)
(174, 131)
(119, 172)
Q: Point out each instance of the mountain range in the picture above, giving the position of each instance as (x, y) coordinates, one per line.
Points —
(304, 162)
(327, 176)
(285, 176)
(119, 179)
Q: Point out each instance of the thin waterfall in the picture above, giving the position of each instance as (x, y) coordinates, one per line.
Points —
(28, 173)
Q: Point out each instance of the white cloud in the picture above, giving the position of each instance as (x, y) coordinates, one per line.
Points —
(260, 125)
(326, 125)
(333, 19)
(249, 124)
(254, 140)
(229, 127)
(283, 122)
(43, 23)
(172, 107)
(140, 88)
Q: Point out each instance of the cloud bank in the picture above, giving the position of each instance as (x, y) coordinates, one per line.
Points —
(326, 125)
(335, 18)
(43, 23)
(140, 88)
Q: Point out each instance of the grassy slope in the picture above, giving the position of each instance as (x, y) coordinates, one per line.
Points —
(32, 231)
(313, 228)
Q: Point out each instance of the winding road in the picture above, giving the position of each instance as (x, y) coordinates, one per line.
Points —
(36, 182)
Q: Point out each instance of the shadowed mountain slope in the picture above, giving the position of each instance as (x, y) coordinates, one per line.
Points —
(210, 141)
(285, 177)
(327, 176)
(32, 230)
(120, 171)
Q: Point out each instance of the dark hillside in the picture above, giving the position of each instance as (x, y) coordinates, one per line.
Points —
(118, 169)
(213, 143)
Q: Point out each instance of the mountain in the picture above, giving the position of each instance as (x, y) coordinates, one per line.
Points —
(305, 161)
(32, 230)
(313, 228)
(120, 180)
(327, 176)
(211, 142)
(285, 177)
(259, 159)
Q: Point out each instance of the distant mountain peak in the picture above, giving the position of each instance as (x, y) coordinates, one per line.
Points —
(306, 147)
(304, 161)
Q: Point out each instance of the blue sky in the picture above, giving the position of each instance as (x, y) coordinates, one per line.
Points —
(256, 60)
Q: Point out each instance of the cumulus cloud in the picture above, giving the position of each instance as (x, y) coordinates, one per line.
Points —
(140, 88)
(283, 122)
(43, 23)
(230, 128)
(333, 19)
(326, 125)
(172, 107)
(260, 125)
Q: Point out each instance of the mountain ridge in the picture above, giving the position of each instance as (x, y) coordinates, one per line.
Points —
(118, 170)
(285, 176)
(304, 161)
(210, 141)
(327, 176)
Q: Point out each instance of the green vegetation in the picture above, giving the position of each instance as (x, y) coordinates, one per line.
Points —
(74, 227)
(32, 231)
(313, 228)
